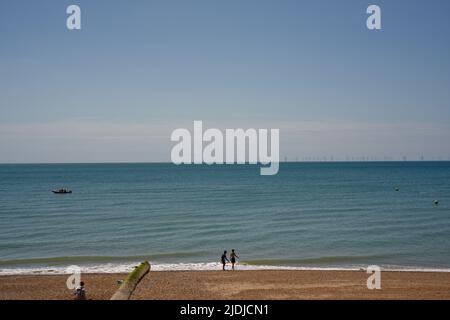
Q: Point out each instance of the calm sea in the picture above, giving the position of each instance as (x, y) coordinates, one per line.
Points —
(310, 215)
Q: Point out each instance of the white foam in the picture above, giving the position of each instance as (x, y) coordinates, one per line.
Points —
(209, 266)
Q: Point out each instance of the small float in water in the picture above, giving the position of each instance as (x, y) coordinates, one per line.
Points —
(62, 191)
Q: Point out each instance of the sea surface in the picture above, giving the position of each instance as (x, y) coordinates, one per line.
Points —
(309, 216)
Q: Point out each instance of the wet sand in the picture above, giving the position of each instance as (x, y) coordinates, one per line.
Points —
(213, 285)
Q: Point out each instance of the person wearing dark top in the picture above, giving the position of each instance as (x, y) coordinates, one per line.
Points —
(233, 257)
(80, 292)
(224, 260)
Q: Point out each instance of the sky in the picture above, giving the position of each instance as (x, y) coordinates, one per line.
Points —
(116, 89)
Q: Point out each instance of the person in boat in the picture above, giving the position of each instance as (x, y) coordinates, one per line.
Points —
(62, 191)
(80, 292)
(224, 260)
(233, 257)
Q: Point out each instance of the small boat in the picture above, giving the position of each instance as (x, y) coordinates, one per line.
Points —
(62, 191)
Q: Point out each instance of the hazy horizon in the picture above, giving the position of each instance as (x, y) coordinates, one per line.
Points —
(282, 161)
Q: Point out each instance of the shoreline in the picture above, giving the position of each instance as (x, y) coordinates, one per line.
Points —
(118, 268)
(245, 285)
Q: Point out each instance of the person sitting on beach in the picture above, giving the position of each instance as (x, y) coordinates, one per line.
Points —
(233, 257)
(80, 292)
(224, 260)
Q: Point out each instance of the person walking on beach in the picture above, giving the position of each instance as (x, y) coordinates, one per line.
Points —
(224, 260)
(80, 292)
(233, 257)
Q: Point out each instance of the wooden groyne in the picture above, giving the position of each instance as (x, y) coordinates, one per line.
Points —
(129, 285)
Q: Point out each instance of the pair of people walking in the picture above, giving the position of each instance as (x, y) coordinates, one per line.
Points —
(233, 257)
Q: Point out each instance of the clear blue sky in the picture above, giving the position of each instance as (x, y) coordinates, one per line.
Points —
(114, 90)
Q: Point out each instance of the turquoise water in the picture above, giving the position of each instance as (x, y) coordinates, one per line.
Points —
(310, 215)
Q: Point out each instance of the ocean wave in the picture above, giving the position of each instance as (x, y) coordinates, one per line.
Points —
(206, 266)
(58, 261)
(317, 261)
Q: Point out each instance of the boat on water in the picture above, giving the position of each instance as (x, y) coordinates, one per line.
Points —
(62, 191)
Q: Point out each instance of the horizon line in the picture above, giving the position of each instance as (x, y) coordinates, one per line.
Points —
(168, 162)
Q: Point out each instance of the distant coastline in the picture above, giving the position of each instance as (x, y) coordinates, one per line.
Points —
(168, 162)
